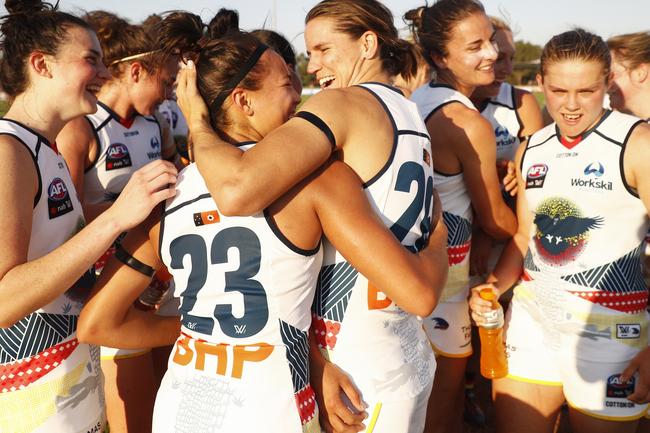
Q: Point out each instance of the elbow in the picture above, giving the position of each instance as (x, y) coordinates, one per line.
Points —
(88, 332)
(8, 322)
(233, 201)
(499, 230)
(427, 302)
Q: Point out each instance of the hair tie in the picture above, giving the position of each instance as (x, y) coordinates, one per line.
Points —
(215, 105)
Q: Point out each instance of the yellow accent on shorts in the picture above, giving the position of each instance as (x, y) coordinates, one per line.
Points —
(533, 381)
(373, 418)
(124, 356)
(439, 352)
(610, 418)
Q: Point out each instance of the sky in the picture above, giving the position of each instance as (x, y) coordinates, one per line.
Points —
(533, 21)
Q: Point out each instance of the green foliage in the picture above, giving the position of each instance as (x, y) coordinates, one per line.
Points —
(308, 80)
(527, 52)
(4, 106)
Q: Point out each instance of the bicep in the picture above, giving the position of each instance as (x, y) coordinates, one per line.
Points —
(18, 186)
(530, 115)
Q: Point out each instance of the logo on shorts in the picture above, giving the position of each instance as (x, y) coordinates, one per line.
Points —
(616, 388)
(625, 331)
(117, 156)
(58, 199)
(536, 176)
(440, 323)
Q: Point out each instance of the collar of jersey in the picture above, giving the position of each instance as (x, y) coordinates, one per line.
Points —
(127, 123)
(570, 144)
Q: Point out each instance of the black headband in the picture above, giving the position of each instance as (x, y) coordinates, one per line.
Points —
(234, 81)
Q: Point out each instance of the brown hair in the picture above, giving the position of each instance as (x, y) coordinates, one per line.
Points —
(30, 26)
(355, 17)
(437, 23)
(217, 60)
(499, 24)
(121, 40)
(576, 44)
(225, 21)
(633, 48)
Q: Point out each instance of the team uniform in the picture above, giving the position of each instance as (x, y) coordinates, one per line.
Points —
(49, 382)
(448, 327)
(123, 146)
(578, 316)
(501, 112)
(382, 348)
(241, 361)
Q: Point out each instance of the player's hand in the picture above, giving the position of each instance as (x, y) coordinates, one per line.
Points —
(190, 100)
(337, 415)
(479, 306)
(508, 175)
(147, 187)
(640, 363)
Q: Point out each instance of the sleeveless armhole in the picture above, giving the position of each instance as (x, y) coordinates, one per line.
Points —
(35, 160)
(320, 124)
(621, 163)
(278, 233)
(99, 146)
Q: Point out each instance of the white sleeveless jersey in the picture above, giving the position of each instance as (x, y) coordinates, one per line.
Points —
(380, 346)
(245, 293)
(501, 112)
(169, 108)
(123, 147)
(456, 203)
(48, 381)
(588, 228)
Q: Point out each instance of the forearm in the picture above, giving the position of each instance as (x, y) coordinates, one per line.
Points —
(500, 226)
(32, 285)
(509, 268)
(137, 330)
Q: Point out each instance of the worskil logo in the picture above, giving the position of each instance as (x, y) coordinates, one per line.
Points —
(503, 137)
(117, 156)
(593, 171)
(155, 143)
(536, 176)
(58, 198)
(57, 190)
(595, 168)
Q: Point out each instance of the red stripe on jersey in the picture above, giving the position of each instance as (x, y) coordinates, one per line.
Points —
(306, 402)
(457, 253)
(325, 331)
(19, 374)
(631, 303)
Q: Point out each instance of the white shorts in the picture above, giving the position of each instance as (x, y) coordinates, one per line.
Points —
(449, 328)
(400, 416)
(568, 356)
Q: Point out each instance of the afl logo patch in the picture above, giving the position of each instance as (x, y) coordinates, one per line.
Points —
(536, 176)
(117, 156)
(58, 198)
(616, 388)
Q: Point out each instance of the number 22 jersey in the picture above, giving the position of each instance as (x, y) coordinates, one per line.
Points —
(383, 348)
(241, 362)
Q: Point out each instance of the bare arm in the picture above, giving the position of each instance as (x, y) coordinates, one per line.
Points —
(412, 281)
(243, 183)
(476, 150)
(75, 142)
(49, 276)
(529, 112)
(109, 318)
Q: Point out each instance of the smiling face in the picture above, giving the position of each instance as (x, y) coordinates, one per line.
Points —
(334, 57)
(471, 54)
(153, 88)
(276, 100)
(78, 73)
(574, 91)
(503, 65)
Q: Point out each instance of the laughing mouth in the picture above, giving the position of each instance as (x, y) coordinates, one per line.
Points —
(326, 81)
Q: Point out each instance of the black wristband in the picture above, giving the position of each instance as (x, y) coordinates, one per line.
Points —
(123, 256)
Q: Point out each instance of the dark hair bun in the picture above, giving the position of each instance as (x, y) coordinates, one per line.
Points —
(26, 6)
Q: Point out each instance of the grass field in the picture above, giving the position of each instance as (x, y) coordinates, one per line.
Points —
(3, 107)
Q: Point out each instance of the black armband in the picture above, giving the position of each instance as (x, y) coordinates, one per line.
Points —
(318, 123)
(123, 256)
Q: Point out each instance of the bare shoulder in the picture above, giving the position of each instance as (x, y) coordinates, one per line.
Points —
(638, 146)
(467, 125)
(76, 133)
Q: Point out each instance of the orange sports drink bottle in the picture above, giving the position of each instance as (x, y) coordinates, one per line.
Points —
(494, 364)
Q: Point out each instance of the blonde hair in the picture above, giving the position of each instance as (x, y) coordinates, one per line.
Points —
(633, 48)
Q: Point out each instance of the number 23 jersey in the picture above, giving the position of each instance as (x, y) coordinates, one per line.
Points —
(245, 293)
(359, 328)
